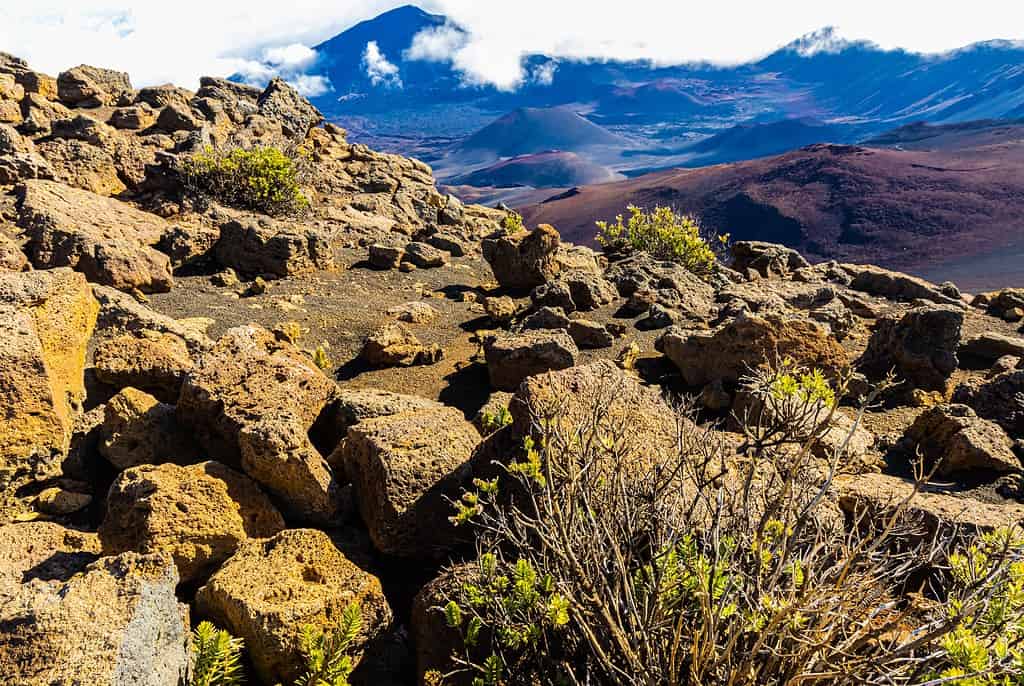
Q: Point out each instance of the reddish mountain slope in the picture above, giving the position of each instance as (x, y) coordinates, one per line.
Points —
(899, 208)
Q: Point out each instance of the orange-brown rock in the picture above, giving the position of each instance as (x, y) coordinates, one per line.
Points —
(46, 319)
(253, 399)
(156, 363)
(198, 514)
(270, 589)
(404, 469)
(747, 342)
(107, 240)
(137, 429)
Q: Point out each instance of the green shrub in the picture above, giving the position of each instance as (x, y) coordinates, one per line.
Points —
(664, 234)
(217, 657)
(264, 179)
(493, 421)
(512, 223)
(327, 660)
(322, 359)
(612, 566)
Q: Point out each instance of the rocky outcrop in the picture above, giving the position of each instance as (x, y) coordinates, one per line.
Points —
(879, 495)
(107, 240)
(281, 102)
(156, 363)
(117, 622)
(270, 589)
(197, 514)
(12, 259)
(895, 285)
(86, 86)
(121, 313)
(435, 641)
(729, 352)
(42, 550)
(512, 358)
(921, 346)
(252, 399)
(525, 260)
(989, 346)
(277, 250)
(961, 442)
(46, 319)
(138, 430)
(394, 345)
(767, 259)
(406, 469)
(353, 405)
(999, 399)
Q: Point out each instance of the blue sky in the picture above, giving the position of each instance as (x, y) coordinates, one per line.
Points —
(179, 41)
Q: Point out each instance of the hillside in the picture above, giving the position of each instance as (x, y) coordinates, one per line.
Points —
(277, 410)
(907, 209)
(542, 170)
(528, 131)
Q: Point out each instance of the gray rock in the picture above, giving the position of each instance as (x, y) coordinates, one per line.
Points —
(513, 358)
(118, 622)
(921, 346)
(424, 256)
(962, 442)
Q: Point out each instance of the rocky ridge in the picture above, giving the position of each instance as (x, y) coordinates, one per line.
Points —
(215, 414)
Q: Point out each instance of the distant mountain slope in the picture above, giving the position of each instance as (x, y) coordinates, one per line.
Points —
(393, 80)
(532, 130)
(897, 208)
(760, 139)
(544, 170)
(818, 75)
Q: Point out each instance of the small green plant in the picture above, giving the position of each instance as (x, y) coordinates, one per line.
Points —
(664, 234)
(217, 657)
(513, 223)
(265, 179)
(322, 360)
(327, 660)
(493, 421)
(519, 605)
(985, 649)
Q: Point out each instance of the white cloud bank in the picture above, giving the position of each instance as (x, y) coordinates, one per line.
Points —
(380, 71)
(159, 41)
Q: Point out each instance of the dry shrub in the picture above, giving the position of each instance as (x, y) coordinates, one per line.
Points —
(263, 178)
(613, 565)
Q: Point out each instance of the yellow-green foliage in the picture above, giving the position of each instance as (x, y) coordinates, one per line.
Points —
(217, 657)
(986, 648)
(493, 421)
(321, 359)
(806, 386)
(264, 179)
(513, 223)
(662, 233)
(327, 660)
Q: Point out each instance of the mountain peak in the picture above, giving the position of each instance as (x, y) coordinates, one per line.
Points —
(826, 40)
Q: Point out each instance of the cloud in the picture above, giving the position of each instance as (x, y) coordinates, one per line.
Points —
(180, 41)
(544, 74)
(437, 44)
(380, 71)
(290, 62)
(295, 55)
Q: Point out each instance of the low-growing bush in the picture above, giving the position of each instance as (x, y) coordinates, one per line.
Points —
(217, 657)
(664, 234)
(328, 662)
(493, 421)
(265, 179)
(706, 566)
